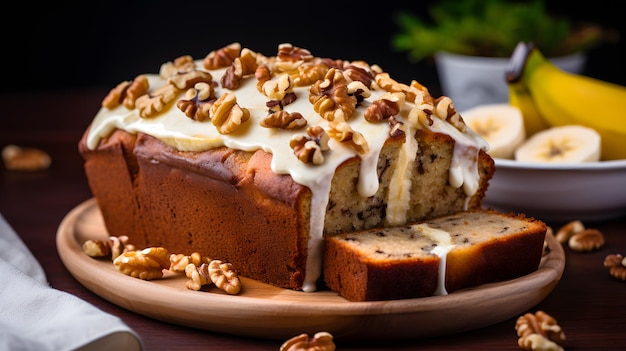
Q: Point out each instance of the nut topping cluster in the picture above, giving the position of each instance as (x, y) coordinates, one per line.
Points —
(336, 90)
(151, 262)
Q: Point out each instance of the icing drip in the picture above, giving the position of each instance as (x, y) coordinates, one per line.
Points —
(444, 244)
(319, 201)
(400, 185)
(464, 166)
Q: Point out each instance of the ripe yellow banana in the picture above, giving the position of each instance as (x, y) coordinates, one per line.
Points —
(564, 98)
(520, 97)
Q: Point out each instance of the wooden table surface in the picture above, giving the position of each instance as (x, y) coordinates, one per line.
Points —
(588, 303)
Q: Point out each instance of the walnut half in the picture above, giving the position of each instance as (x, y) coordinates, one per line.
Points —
(539, 331)
(616, 263)
(321, 341)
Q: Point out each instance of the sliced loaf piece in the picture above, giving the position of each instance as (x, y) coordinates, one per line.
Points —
(471, 247)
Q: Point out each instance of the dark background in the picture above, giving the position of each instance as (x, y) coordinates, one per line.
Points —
(75, 45)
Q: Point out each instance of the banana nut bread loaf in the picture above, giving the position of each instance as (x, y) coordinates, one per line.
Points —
(254, 159)
(433, 257)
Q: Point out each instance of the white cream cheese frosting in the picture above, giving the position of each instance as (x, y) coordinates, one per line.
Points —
(415, 109)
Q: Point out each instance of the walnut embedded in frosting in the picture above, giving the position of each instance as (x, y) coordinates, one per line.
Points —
(223, 57)
(309, 148)
(154, 102)
(226, 115)
(330, 97)
(199, 100)
(126, 93)
(242, 66)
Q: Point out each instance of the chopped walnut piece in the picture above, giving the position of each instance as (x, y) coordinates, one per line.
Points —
(330, 97)
(616, 264)
(359, 91)
(262, 75)
(277, 87)
(539, 331)
(290, 57)
(183, 63)
(308, 73)
(415, 92)
(397, 127)
(285, 120)
(568, 230)
(309, 149)
(226, 114)
(242, 66)
(586, 240)
(224, 277)
(152, 103)
(17, 158)
(444, 109)
(186, 80)
(126, 93)
(199, 100)
(359, 71)
(341, 131)
(223, 57)
(198, 276)
(321, 341)
(388, 105)
(146, 264)
(111, 248)
(178, 262)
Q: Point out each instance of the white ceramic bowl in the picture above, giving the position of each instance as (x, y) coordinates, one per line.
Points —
(559, 193)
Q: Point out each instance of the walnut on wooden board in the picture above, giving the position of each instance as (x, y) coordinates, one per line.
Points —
(111, 248)
(146, 264)
(224, 276)
(321, 341)
(178, 262)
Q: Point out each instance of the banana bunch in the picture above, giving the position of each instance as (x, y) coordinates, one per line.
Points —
(550, 97)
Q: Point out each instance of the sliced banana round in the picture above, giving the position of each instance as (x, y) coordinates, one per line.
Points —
(571, 143)
(501, 125)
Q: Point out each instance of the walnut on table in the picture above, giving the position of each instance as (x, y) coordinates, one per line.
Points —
(18, 158)
(616, 263)
(579, 238)
(539, 331)
(321, 341)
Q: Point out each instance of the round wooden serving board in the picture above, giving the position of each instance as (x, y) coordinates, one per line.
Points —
(268, 312)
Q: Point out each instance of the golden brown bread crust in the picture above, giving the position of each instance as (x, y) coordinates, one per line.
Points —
(229, 205)
(358, 275)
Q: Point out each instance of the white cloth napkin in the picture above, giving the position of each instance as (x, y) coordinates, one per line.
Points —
(35, 316)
